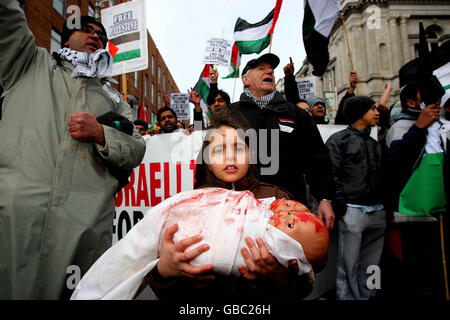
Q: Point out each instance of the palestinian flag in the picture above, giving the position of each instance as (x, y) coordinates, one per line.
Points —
(319, 18)
(254, 38)
(143, 113)
(202, 87)
(234, 63)
(424, 193)
(112, 49)
(151, 126)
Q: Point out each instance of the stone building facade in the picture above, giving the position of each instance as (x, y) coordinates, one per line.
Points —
(383, 35)
(150, 86)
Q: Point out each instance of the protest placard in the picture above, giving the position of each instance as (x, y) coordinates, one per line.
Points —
(306, 88)
(218, 51)
(125, 26)
(179, 102)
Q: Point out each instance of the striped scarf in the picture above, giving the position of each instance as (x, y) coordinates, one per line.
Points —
(95, 65)
(260, 102)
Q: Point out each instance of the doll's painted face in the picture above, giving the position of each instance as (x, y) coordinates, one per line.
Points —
(287, 205)
(308, 229)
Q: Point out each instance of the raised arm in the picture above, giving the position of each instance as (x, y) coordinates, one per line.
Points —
(290, 85)
(18, 49)
(353, 82)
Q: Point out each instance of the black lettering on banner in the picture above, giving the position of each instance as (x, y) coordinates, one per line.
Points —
(137, 216)
(123, 217)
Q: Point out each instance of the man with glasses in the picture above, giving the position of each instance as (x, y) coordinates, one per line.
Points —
(58, 164)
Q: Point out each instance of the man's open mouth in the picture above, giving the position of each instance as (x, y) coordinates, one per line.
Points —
(93, 45)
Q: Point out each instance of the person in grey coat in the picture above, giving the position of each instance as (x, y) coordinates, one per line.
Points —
(58, 163)
(356, 159)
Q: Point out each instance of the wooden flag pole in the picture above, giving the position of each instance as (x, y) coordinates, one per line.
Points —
(348, 47)
(234, 87)
(124, 87)
(444, 262)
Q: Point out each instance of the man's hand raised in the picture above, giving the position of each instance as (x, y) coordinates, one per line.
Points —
(428, 116)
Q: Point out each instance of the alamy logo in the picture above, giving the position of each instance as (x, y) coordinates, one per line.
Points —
(74, 17)
(374, 18)
(74, 277)
(374, 280)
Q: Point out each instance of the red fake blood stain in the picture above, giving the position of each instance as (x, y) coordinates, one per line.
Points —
(304, 217)
(229, 221)
(275, 220)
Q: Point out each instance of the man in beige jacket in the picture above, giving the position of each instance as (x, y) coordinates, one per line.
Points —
(56, 186)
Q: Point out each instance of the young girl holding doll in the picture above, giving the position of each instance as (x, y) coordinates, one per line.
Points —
(226, 164)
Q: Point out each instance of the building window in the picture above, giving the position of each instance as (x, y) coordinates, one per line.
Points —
(159, 75)
(136, 80)
(159, 99)
(91, 10)
(153, 66)
(146, 86)
(55, 43)
(169, 91)
(60, 7)
(164, 82)
(153, 94)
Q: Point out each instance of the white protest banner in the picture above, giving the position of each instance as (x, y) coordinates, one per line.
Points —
(218, 51)
(179, 102)
(327, 130)
(168, 168)
(125, 26)
(306, 88)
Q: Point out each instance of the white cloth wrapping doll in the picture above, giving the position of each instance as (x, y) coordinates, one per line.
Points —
(223, 217)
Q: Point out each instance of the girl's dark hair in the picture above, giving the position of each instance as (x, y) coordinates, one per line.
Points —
(206, 178)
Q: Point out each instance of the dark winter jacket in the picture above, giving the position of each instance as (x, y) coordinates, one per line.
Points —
(356, 158)
(300, 147)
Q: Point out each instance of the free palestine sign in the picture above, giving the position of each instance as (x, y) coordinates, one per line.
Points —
(125, 26)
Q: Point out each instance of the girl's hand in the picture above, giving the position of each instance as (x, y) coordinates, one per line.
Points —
(261, 264)
(174, 261)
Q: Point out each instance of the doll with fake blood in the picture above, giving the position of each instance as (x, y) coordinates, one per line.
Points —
(224, 219)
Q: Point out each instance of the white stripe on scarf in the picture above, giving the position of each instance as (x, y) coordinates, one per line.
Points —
(95, 65)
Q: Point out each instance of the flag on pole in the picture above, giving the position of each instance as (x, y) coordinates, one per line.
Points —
(424, 193)
(254, 38)
(204, 82)
(235, 63)
(202, 87)
(318, 20)
(143, 113)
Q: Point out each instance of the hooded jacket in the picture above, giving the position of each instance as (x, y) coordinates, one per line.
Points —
(56, 193)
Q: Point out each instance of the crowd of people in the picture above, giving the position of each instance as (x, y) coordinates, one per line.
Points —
(68, 145)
